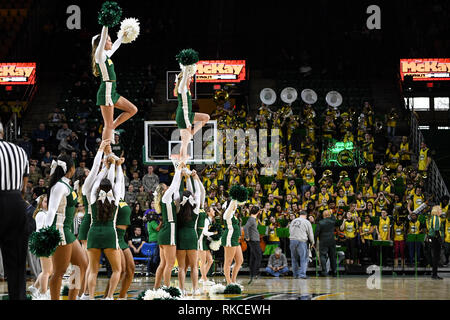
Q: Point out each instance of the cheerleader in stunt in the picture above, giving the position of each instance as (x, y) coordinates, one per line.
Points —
(187, 242)
(122, 223)
(188, 122)
(107, 96)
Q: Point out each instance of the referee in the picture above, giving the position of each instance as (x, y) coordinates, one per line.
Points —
(14, 234)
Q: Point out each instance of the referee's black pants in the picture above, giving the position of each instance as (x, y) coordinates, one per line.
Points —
(14, 242)
(255, 257)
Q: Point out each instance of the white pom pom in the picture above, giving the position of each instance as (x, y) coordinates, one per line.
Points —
(156, 294)
(216, 289)
(129, 29)
(215, 245)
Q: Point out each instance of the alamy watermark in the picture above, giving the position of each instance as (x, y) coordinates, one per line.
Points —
(374, 281)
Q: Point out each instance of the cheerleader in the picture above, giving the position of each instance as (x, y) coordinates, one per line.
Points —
(204, 221)
(61, 208)
(230, 243)
(86, 188)
(107, 96)
(188, 122)
(204, 253)
(187, 238)
(122, 223)
(167, 201)
(39, 289)
(102, 235)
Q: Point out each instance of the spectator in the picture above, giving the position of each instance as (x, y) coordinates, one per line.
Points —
(327, 248)
(130, 195)
(350, 228)
(64, 145)
(150, 181)
(301, 233)
(163, 174)
(136, 242)
(136, 182)
(81, 126)
(64, 132)
(41, 188)
(34, 175)
(56, 117)
(46, 160)
(26, 145)
(135, 168)
(90, 144)
(142, 196)
(40, 136)
(277, 265)
(117, 146)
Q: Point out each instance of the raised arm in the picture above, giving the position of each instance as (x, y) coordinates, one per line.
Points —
(197, 194)
(228, 214)
(100, 51)
(115, 46)
(182, 89)
(202, 194)
(89, 182)
(93, 195)
(56, 194)
(173, 189)
(119, 186)
(111, 174)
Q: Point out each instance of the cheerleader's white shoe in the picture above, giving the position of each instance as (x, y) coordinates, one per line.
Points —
(196, 292)
(108, 298)
(34, 291)
(209, 283)
(84, 297)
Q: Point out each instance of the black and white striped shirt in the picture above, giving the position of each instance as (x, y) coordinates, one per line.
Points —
(13, 166)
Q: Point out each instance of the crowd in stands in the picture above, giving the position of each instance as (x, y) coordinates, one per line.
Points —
(386, 192)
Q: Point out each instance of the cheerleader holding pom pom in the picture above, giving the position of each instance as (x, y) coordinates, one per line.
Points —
(102, 65)
(231, 234)
(188, 122)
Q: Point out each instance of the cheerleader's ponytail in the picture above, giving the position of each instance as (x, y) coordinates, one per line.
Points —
(157, 196)
(95, 42)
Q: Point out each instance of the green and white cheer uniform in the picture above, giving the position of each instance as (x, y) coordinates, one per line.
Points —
(232, 232)
(103, 234)
(167, 234)
(106, 94)
(61, 210)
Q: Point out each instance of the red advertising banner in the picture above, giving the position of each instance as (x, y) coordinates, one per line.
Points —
(12, 73)
(214, 71)
(425, 69)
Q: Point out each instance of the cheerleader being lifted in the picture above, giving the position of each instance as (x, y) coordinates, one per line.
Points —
(103, 67)
(188, 122)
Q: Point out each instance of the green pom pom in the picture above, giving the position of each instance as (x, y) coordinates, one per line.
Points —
(216, 227)
(232, 289)
(65, 291)
(239, 193)
(250, 192)
(187, 57)
(44, 242)
(141, 295)
(110, 14)
(173, 291)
